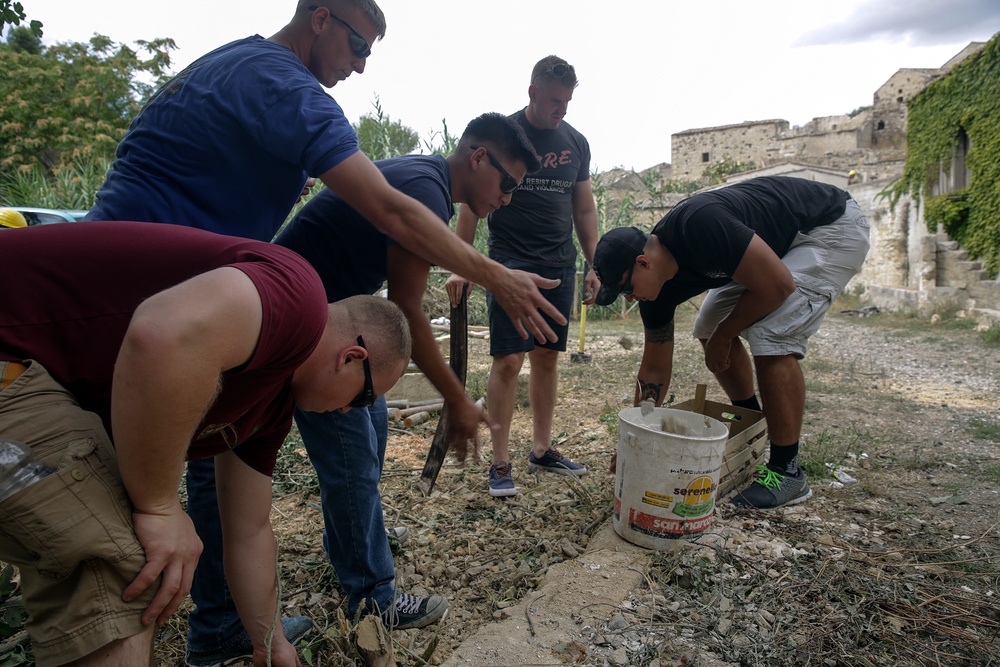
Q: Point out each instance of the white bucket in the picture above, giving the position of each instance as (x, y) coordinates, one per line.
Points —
(667, 474)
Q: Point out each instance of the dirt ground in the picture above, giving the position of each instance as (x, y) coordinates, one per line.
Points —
(901, 567)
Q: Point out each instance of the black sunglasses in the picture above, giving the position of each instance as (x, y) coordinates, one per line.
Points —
(508, 184)
(367, 397)
(560, 70)
(359, 45)
(626, 289)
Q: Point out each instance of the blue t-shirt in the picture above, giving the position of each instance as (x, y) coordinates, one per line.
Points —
(227, 145)
(347, 251)
(537, 224)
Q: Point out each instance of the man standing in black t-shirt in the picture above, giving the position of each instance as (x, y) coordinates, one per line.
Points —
(536, 230)
(774, 253)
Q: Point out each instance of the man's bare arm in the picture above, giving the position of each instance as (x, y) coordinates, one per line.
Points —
(585, 224)
(407, 284)
(166, 376)
(656, 366)
(250, 556)
(359, 182)
(768, 283)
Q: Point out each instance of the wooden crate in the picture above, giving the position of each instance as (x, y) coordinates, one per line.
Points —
(747, 442)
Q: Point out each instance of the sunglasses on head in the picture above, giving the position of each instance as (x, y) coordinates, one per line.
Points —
(508, 184)
(561, 69)
(359, 45)
(367, 397)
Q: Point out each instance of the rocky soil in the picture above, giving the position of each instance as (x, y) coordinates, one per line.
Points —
(900, 567)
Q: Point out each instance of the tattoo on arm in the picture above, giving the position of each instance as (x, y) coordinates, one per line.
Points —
(664, 334)
(649, 390)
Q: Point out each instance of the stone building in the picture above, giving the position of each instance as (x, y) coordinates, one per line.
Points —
(872, 141)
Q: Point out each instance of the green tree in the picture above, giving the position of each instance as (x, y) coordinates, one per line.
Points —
(380, 137)
(22, 39)
(716, 172)
(12, 13)
(73, 102)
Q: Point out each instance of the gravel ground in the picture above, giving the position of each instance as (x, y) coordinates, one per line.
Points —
(899, 568)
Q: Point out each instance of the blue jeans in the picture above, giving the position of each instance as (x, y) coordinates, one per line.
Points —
(347, 450)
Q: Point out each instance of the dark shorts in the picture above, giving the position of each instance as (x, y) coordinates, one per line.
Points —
(504, 338)
(70, 534)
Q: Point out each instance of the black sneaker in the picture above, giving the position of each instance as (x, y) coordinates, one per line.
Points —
(774, 489)
(413, 611)
(240, 648)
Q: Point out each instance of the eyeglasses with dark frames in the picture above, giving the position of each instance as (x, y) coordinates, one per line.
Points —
(508, 184)
(367, 397)
(359, 45)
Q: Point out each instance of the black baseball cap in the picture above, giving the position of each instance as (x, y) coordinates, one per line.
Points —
(615, 253)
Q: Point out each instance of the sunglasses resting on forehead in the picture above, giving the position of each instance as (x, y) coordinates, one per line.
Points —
(359, 45)
(508, 184)
(560, 70)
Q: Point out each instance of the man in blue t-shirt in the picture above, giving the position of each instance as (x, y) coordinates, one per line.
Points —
(773, 253)
(229, 145)
(354, 257)
(535, 233)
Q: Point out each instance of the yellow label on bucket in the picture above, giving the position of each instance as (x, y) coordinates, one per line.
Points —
(654, 499)
(699, 497)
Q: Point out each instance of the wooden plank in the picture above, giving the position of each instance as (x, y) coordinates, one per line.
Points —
(459, 358)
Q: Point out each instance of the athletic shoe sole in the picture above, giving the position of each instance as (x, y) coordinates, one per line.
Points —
(558, 471)
(787, 503)
(503, 493)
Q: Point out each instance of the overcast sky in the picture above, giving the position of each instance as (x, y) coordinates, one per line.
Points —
(647, 68)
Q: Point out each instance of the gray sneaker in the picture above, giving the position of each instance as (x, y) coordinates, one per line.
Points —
(413, 611)
(401, 534)
(553, 461)
(502, 480)
(774, 489)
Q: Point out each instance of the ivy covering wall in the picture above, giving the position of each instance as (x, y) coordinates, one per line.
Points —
(967, 99)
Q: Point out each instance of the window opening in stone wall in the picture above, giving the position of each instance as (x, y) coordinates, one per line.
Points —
(881, 125)
(960, 174)
(704, 157)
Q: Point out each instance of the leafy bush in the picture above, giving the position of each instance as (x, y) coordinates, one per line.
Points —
(951, 212)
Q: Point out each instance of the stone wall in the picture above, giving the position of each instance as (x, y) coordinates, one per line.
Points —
(694, 150)
(867, 142)
(911, 269)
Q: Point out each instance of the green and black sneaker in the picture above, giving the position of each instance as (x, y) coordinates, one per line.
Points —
(773, 489)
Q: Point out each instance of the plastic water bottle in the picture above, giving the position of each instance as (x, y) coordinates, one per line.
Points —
(18, 468)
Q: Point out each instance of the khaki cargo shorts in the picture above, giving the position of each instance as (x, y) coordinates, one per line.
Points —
(70, 534)
(821, 261)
